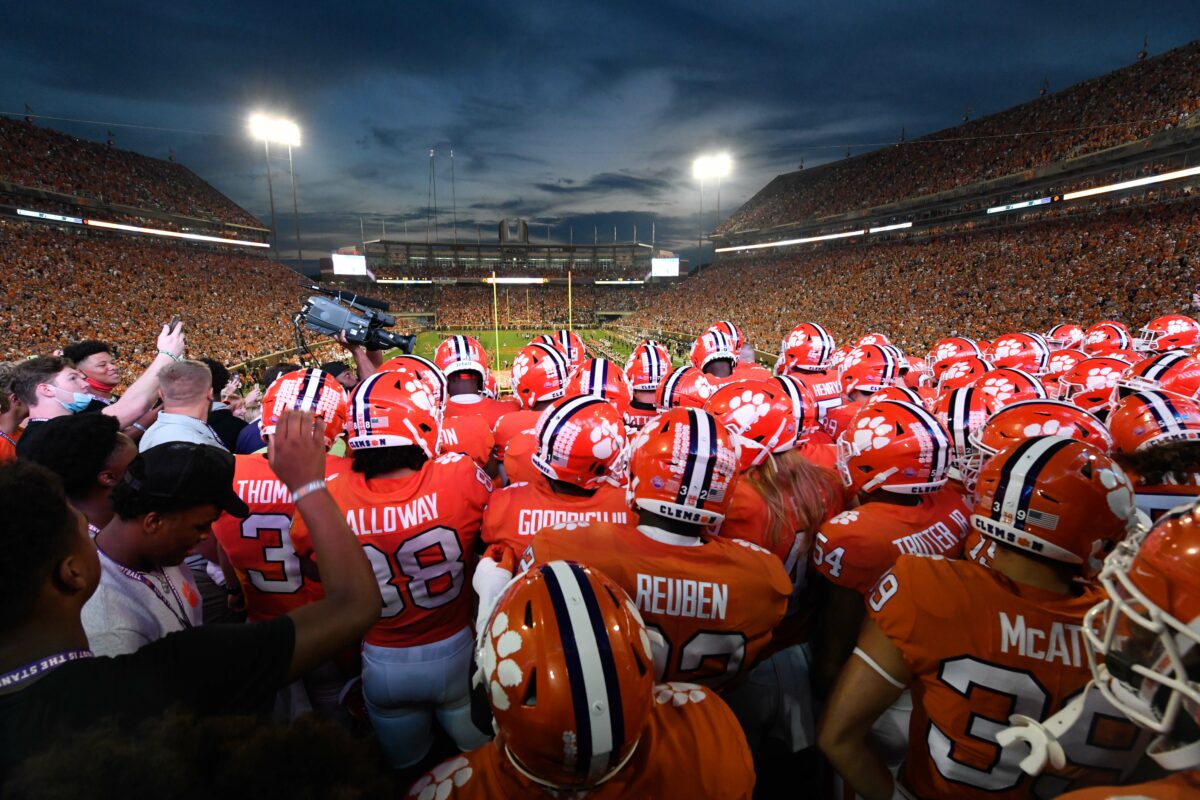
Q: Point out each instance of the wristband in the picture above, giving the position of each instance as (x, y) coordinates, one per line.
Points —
(171, 356)
(139, 426)
(307, 489)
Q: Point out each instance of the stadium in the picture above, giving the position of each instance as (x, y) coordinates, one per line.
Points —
(887, 488)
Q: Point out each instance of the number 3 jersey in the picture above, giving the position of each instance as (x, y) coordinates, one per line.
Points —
(418, 532)
(714, 603)
(982, 648)
(259, 547)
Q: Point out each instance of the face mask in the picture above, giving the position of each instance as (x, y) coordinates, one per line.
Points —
(79, 401)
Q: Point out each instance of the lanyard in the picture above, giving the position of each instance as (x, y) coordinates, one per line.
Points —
(8, 438)
(25, 674)
(143, 579)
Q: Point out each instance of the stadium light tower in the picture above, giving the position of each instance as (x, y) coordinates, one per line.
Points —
(281, 131)
(707, 168)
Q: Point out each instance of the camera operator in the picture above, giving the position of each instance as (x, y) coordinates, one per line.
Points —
(51, 386)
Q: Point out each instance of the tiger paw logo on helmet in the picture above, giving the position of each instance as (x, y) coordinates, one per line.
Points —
(958, 369)
(999, 387)
(1007, 347)
(1100, 377)
(418, 391)
(607, 439)
(500, 672)
(520, 366)
(679, 694)
(439, 782)
(1050, 427)
(747, 408)
(871, 433)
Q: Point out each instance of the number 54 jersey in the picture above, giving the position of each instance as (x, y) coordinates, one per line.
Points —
(981, 648)
(418, 532)
(715, 603)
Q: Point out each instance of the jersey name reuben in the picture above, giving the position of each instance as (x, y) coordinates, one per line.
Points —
(389, 519)
(681, 597)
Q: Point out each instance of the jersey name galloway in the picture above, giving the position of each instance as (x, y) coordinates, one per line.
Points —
(681, 597)
(389, 519)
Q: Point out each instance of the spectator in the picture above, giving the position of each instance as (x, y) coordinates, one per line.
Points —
(220, 415)
(342, 373)
(186, 391)
(89, 455)
(95, 360)
(50, 570)
(13, 412)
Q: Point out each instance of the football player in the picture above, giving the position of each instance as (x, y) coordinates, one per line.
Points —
(567, 665)
(648, 366)
(465, 364)
(807, 354)
(714, 601)
(977, 644)
(417, 516)
(1142, 650)
(578, 441)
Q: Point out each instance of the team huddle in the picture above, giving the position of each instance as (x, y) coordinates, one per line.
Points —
(968, 574)
(679, 565)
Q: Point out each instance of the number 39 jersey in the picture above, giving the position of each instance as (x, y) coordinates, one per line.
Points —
(981, 648)
(715, 604)
(259, 547)
(418, 532)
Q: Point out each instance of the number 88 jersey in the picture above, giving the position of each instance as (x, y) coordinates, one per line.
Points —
(981, 648)
(418, 532)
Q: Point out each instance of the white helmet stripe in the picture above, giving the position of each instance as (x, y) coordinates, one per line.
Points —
(1020, 473)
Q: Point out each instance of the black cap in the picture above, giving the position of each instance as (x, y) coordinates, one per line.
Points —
(185, 471)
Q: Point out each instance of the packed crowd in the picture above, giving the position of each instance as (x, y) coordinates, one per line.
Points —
(1126, 264)
(63, 285)
(1123, 106)
(40, 158)
(642, 580)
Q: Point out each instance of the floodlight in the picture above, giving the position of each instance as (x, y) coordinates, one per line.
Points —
(275, 129)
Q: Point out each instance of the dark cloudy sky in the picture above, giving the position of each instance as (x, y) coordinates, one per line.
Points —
(577, 114)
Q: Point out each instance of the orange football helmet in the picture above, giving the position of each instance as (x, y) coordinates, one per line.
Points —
(1090, 383)
(1010, 385)
(962, 372)
(683, 466)
(804, 404)
(561, 636)
(1028, 352)
(712, 346)
(309, 390)
(539, 373)
(1143, 419)
(1057, 498)
(601, 378)
(807, 348)
(730, 330)
(1171, 332)
(962, 412)
(894, 446)
(872, 338)
(423, 369)
(462, 354)
(897, 392)
(760, 417)
(949, 350)
(1105, 336)
(685, 386)
(571, 346)
(1142, 639)
(1060, 362)
(1176, 372)
(870, 368)
(648, 364)
(393, 409)
(1065, 336)
(578, 440)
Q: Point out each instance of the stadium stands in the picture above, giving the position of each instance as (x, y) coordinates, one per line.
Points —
(1120, 107)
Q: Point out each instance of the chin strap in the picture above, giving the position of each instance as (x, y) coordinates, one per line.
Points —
(1042, 737)
(1177, 760)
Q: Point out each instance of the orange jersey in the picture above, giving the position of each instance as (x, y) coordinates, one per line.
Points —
(826, 386)
(259, 547)
(511, 424)
(469, 435)
(8, 445)
(517, 512)
(473, 405)
(746, 371)
(838, 417)
(692, 746)
(857, 546)
(418, 533)
(1179, 786)
(981, 648)
(714, 603)
(518, 459)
